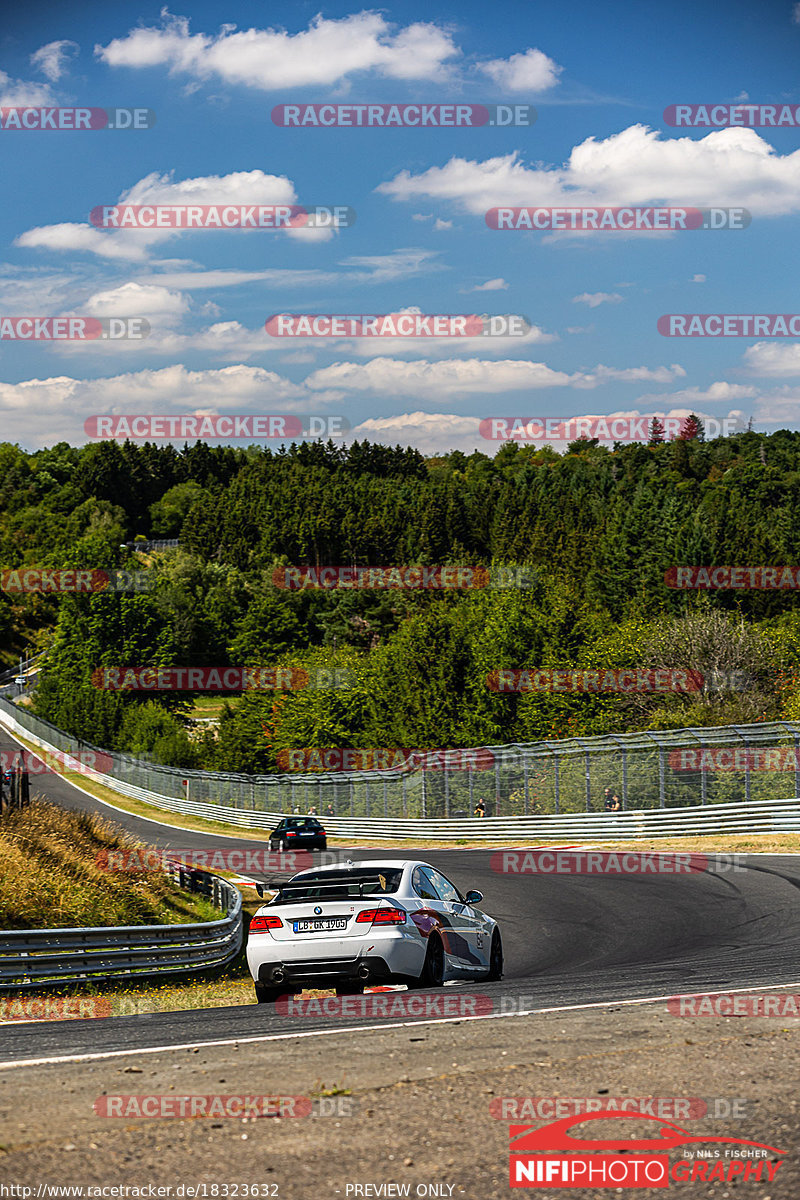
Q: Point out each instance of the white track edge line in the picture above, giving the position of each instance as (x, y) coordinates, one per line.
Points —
(281, 1037)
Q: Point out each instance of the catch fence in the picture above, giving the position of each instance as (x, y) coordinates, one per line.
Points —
(653, 770)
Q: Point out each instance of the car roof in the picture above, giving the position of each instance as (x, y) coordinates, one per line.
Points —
(366, 863)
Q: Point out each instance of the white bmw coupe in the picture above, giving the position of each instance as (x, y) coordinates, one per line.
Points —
(360, 923)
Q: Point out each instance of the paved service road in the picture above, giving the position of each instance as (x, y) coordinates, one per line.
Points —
(569, 940)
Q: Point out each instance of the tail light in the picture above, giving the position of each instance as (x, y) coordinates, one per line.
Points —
(290, 833)
(381, 916)
(260, 924)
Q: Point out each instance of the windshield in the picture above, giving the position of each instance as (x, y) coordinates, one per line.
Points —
(340, 885)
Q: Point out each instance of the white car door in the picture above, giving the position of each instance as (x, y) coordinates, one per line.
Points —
(468, 938)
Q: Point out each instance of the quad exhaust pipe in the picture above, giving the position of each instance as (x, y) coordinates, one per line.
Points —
(278, 975)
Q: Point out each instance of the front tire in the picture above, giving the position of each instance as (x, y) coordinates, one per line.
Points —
(496, 957)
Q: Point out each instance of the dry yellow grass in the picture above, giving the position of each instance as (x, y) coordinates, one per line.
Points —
(53, 874)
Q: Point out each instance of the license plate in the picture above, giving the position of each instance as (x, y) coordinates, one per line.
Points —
(311, 926)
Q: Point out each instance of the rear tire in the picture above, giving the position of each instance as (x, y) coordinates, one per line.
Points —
(496, 957)
(433, 968)
(268, 995)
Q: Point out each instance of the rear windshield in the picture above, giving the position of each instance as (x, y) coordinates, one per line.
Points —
(299, 823)
(340, 885)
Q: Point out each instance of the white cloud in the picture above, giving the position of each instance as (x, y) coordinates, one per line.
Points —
(238, 188)
(52, 59)
(435, 347)
(328, 52)
(41, 412)
(601, 374)
(157, 303)
(594, 299)
(532, 71)
(439, 225)
(796, 15)
(727, 167)
(491, 285)
(360, 269)
(430, 433)
(442, 381)
(773, 359)
(421, 216)
(71, 238)
(20, 93)
(721, 391)
(697, 279)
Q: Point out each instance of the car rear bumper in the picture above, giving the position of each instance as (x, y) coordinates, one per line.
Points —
(327, 971)
(318, 960)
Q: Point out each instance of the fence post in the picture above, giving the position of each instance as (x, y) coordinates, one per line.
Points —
(556, 783)
(496, 787)
(661, 780)
(796, 765)
(588, 781)
(525, 782)
(386, 798)
(446, 790)
(746, 770)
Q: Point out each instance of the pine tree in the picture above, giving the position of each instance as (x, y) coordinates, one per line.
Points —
(691, 429)
(656, 432)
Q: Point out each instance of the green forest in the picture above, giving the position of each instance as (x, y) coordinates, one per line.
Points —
(595, 530)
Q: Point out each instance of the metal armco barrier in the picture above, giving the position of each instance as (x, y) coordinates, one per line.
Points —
(31, 958)
(561, 781)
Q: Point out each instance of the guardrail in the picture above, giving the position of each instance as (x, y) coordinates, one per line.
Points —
(31, 958)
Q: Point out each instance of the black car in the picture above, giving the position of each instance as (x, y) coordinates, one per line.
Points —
(298, 833)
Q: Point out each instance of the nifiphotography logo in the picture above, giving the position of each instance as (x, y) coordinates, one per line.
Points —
(581, 1162)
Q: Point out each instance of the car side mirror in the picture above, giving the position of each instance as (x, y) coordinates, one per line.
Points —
(474, 897)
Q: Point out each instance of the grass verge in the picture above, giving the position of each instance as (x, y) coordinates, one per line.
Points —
(52, 875)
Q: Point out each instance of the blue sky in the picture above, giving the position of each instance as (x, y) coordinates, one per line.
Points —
(599, 76)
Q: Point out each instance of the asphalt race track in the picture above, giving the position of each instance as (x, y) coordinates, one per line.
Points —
(569, 940)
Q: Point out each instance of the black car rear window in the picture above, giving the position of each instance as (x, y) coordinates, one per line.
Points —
(340, 885)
